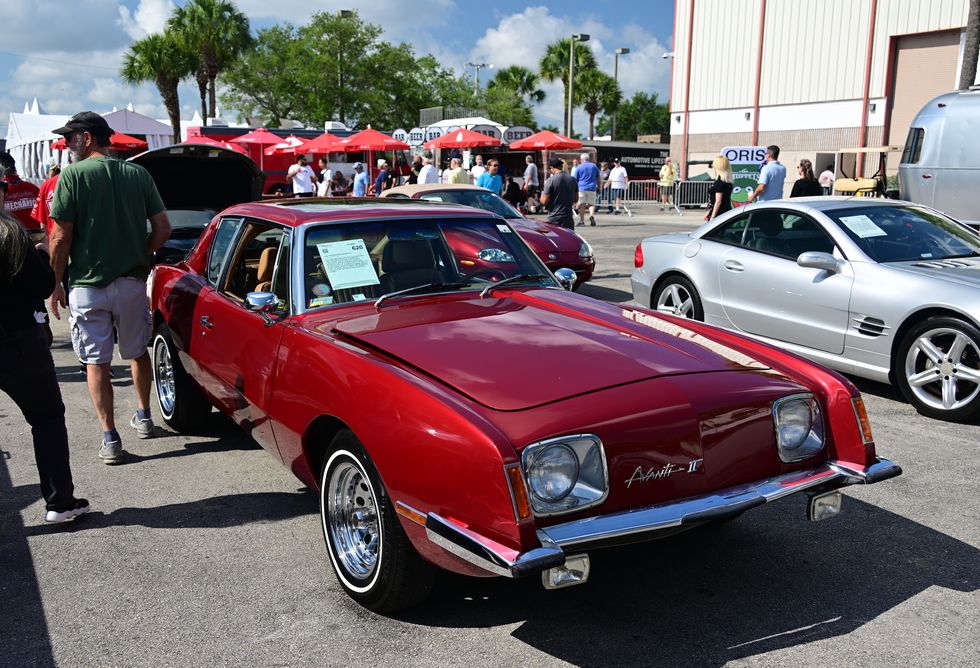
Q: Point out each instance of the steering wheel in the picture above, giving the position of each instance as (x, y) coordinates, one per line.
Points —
(488, 272)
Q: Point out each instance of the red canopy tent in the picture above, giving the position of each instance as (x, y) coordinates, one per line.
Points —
(201, 140)
(325, 143)
(462, 138)
(546, 140)
(371, 140)
(117, 142)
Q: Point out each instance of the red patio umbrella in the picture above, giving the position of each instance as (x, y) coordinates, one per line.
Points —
(117, 142)
(285, 146)
(546, 140)
(201, 140)
(325, 143)
(370, 140)
(462, 138)
(258, 137)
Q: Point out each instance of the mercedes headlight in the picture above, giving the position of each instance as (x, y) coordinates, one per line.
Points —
(799, 427)
(565, 474)
(495, 255)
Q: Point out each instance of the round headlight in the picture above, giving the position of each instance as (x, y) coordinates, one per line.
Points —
(553, 473)
(585, 250)
(795, 420)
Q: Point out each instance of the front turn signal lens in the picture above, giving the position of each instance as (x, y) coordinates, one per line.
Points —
(861, 413)
(522, 505)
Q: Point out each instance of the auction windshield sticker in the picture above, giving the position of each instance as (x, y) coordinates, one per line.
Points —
(347, 264)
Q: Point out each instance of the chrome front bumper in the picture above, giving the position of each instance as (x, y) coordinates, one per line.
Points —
(645, 523)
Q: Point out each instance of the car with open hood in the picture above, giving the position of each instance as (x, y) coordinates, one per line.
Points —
(556, 246)
(486, 421)
(196, 181)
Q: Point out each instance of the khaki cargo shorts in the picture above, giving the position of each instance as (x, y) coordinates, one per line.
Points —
(95, 312)
(586, 197)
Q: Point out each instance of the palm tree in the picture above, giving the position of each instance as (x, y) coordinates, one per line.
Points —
(157, 58)
(215, 30)
(521, 81)
(554, 64)
(597, 91)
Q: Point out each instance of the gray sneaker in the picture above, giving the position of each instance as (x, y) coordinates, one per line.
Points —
(144, 428)
(112, 452)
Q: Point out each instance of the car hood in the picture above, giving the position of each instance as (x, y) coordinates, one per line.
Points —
(545, 238)
(196, 176)
(516, 350)
(965, 271)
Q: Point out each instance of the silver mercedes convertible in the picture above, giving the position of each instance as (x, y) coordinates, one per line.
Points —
(875, 288)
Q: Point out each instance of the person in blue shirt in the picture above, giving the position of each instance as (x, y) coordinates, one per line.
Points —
(589, 182)
(490, 179)
(771, 178)
(379, 182)
(360, 180)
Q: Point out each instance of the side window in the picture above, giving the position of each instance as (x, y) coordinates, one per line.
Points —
(785, 234)
(252, 261)
(227, 229)
(729, 233)
(913, 146)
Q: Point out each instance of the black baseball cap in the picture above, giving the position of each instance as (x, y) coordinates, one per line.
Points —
(87, 121)
(556, 163)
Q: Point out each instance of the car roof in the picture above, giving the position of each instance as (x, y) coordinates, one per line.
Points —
(294, 212)
(823, 203)
(416, 188)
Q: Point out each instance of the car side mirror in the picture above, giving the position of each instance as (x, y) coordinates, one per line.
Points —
(566, 277)
(819, 260)
(261, 302)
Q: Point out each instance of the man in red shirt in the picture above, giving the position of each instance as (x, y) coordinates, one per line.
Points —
(21, 195)
(42, 206)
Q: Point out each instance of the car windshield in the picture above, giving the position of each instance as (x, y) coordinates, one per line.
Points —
(475, 197)
(367, 260)
(905, 233)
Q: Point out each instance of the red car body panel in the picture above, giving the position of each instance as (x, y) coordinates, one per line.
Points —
(444, 391)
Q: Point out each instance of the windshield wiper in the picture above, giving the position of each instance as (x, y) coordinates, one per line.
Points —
(419, 288)
(512, 279)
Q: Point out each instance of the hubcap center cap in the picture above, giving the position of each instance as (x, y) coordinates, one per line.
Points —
(946, 368)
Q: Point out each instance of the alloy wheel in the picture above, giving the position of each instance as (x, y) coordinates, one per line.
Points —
(352, 514)
(164, 376)
(942, 368)
(676, 300)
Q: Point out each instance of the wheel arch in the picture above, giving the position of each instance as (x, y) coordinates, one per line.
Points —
(914, 319)
(670, 273)
(317, 439)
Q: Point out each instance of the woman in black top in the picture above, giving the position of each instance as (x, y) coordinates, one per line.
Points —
(26, 369)
(807, 185)
(720, 192)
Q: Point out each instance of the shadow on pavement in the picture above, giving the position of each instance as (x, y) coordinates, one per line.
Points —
(606, 294)
(717, 594)
(25, 631)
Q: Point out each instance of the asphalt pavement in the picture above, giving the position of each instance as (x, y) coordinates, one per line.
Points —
(204, 551)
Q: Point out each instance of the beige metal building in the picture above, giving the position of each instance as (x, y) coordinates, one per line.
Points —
(811, 76)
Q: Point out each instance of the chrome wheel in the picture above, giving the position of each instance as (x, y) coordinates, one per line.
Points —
(942, 369)
(164, 375)
(675, 299)
(352, 519)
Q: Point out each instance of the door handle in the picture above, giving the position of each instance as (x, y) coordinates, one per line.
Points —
(927, 176)
(206, 322)
(733, 265)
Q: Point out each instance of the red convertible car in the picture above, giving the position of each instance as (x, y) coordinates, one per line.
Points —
(482, 420)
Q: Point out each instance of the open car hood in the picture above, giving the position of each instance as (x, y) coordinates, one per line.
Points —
(191, 176)
(528, 348)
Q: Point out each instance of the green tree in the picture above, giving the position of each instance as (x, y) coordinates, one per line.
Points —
(596, 91)
(554, 64)
(157, 58)
(217, 32)
(506, 106)
(521, 81)
(640, 115)
(266, 80)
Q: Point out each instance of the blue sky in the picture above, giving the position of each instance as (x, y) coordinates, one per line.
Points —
(67, 52)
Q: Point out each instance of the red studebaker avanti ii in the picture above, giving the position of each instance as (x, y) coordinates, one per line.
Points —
(486, 421)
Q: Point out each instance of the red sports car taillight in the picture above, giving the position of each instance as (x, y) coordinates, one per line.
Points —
(638, 256)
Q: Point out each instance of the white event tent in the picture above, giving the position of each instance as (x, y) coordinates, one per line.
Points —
(29, 136)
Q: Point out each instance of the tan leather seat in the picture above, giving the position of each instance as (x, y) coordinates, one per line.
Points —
(267, 262)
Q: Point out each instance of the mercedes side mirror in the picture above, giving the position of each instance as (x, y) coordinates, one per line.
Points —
(820, 260)
(566, 277)
(261, 302)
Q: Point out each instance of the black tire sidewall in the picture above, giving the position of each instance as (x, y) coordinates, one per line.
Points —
(969, 411)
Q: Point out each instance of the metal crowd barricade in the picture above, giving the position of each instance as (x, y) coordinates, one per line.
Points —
(686, 194)
(692, 193)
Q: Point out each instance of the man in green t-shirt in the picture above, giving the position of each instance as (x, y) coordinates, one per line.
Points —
(100, 208)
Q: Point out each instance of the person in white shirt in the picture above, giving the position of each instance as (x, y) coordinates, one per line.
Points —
(302, 176)
(476, 171)
(326, 178)
(531, 184)
(827, 180)
(618, 179)
(428, 173)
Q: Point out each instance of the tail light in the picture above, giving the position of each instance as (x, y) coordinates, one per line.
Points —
(638, 256)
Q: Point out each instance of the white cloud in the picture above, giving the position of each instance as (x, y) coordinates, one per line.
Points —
(149, 17)
(30, 26)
